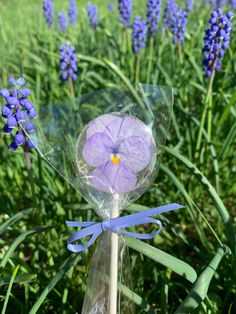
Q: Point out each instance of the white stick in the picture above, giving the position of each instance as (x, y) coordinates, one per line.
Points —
(114, 260)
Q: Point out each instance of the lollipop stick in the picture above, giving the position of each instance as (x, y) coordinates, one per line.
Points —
(114, 260)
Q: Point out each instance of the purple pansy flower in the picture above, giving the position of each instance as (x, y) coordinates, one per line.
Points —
(118, 148)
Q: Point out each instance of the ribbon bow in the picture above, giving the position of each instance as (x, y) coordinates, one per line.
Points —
(94, 229)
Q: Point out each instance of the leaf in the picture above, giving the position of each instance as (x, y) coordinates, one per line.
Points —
(227, 110)
(18, 279)
(10, 221)
(197, 68)
(91, 60)
(177, 265)
(70, 262)
(134, 297)
(211, 191)
(19, 240)
(199, 290)
(9, 289)
(115, 69)
(227, 142)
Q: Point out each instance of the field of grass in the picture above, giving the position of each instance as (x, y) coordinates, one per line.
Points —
(190, 266)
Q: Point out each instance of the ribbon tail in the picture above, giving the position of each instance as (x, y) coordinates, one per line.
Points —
(76, 248)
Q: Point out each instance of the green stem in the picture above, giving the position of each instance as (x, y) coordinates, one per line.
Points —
(30, 174)
(180, 52)
(137, 72)
(207, 102)
(149, 71)
(72, 91)
(209, 118)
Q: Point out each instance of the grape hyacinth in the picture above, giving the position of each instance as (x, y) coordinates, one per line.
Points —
(139, 34)
(178, 28)
(216, 41)
(189, 5)
(232, 3)
(125, 10)
(110, 6)
(92, 11)
(72, 12)
(217, 3)
(18, 109)
(62, 21)
(48, 11)
(153, 13)
(68, 60)
(169, 12)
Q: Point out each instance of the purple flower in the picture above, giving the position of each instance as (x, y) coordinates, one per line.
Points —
(117, 148)
(169, 12)
(189, 5)
(175, 18)
(217, 3)
(68, 60)
(232, 3)
(62, 21)
(216, 41)
(153, 13)
(16, 110)
(139, 36)
(125, 10)
(72, 12)
(110, 6)
(92, 11)
(48, 11)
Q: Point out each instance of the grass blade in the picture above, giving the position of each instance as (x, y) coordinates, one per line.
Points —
(211, 191)
(199, 290)
(177, 265)
(18, 241)
(70, 262)
(9, 289)
(10, 221)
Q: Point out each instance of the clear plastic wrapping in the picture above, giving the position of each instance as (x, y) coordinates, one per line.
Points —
(107, 145)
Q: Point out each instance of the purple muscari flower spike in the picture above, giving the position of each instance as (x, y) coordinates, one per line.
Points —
(92, 11)
(175, 18)
(68, 60)
(139, 36)
(217, 3)
(170, 10)
(189, 5)
(16, 110)
(110, 6)
(216, 41)
(125, 9)
(232, 3)
(48, 11)
(72, 12)
(153, 13)
(178, 27)
(62, 21)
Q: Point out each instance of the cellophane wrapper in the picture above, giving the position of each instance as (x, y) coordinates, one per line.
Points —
(108, 146)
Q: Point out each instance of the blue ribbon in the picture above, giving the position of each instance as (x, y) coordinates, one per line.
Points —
(94, 229)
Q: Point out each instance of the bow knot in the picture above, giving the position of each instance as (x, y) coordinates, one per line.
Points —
(106, 225)
(118, 224)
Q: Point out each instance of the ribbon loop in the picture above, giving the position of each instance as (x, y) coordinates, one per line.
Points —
(117, 224)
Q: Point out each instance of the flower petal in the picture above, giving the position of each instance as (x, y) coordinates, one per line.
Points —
(134, 153)
(112, 178)
(99, 124)
(97, 149)
(122, 128)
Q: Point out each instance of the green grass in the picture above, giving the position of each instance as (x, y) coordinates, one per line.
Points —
(190, 266)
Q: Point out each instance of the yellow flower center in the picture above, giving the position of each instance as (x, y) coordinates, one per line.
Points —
(115, 159)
